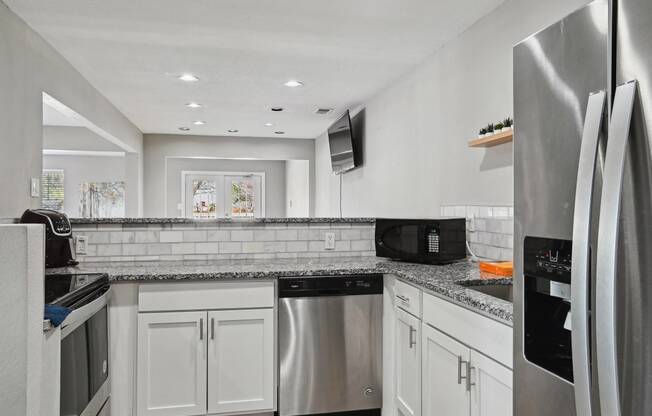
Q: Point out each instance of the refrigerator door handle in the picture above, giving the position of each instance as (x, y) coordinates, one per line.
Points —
(607, 248)
(581, 255)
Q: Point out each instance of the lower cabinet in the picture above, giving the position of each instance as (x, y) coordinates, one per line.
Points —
(408, 364)
(458, 381)
(445, 375)
(171, 375)
(491, 394)
(205, 362)
(240, 361)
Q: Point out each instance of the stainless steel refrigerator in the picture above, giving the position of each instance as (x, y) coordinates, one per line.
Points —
(583, 214)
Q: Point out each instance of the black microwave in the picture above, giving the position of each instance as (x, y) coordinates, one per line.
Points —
(433, 241)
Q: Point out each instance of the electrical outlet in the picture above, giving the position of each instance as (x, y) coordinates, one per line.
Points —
(329, 241)
(81, 244)
(35, 187)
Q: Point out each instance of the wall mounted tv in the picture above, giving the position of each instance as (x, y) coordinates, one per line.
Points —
(342, 145)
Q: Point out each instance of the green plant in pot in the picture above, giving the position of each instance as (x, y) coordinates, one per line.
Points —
(498, 127)
(483, 132)
(490, 128)
(508, 123)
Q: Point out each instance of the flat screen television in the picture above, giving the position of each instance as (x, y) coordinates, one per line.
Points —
(340, 139)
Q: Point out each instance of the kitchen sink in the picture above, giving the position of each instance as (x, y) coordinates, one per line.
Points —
(501, 291)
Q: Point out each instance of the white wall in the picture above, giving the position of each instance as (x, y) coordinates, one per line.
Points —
(159, 148)
(274, 180)
(79, 169)
(297, 188)
(29, 66)
(75, 138)
(415, 146)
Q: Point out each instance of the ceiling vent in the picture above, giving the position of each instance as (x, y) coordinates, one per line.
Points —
(323, 111)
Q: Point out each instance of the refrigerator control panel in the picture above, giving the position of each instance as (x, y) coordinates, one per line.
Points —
(548, 258)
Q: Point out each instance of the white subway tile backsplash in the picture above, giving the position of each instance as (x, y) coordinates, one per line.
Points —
(171, 236)
(143, 242)
(242, 235)
(194, 236)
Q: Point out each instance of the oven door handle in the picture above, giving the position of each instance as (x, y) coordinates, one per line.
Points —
(81, 315)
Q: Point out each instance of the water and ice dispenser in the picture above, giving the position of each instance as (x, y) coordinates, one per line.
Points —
(547, 318)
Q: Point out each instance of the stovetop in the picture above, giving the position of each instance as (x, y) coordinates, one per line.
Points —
(68, 289)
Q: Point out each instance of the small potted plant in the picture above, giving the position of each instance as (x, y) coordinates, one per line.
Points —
(490, 128)
(498, 127)
(508, 123)
(483, 132)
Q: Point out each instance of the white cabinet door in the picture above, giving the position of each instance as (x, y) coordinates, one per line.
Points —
(171, 364)
(241, 361)
(445, 390)
(408, 364)
(491, 393)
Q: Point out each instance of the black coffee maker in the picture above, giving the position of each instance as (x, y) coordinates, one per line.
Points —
(59, 244)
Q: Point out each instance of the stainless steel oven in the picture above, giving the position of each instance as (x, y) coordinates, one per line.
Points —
(85, 381)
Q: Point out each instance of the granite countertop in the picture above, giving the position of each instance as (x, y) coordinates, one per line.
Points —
(444, 281)
(267, 220)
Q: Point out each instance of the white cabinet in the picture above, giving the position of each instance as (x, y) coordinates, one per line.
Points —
(408, 364)
(240, 360)
(171, 364)
(445, 375)
(491, 394)
(208, 360)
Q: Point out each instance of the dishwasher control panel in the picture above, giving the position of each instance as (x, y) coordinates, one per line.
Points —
(366, 284)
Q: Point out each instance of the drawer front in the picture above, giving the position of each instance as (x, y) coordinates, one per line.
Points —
(186, 296)
(483, 334)
(408, 298)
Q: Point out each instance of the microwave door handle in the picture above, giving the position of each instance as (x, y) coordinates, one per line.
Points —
(581, 253)
(607, 248)
(81, 315)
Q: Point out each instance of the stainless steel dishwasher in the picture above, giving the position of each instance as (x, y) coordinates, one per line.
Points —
(330, 344)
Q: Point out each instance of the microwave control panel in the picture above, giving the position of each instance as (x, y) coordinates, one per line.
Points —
(432, 240)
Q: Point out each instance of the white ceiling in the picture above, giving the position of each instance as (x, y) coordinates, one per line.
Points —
(243, 51)
(54, 117)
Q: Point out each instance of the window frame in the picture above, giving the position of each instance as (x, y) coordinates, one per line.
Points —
(224, 175)
(63, 185)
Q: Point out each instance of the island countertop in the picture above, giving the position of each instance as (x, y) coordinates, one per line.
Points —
(445, 281)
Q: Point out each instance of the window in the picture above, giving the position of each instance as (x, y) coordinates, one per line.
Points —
(102, 200)
(223, 194)
(52, 190)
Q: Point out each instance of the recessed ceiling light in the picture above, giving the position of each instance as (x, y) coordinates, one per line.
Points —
(193, 105)
(188, 78)
(277, 108)
(293, 83)
(233, 130)
(199, 123)
(184, 128)
(269, 124)
(279, 132)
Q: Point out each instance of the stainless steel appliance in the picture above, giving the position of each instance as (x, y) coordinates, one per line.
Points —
(583, 214)
(85, 384)
(330, 345)
(434, 241)
(59, 244)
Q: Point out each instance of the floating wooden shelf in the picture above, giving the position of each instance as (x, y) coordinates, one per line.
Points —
(493, 140)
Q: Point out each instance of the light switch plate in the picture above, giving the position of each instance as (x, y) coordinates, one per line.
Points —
(35, 187)
(329, 241)
(81, 244)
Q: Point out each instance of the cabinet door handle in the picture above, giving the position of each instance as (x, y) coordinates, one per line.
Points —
(412, 341)
(212, 328)
(459, 369)
(403, 298)
(469, 383)
(201, 328)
